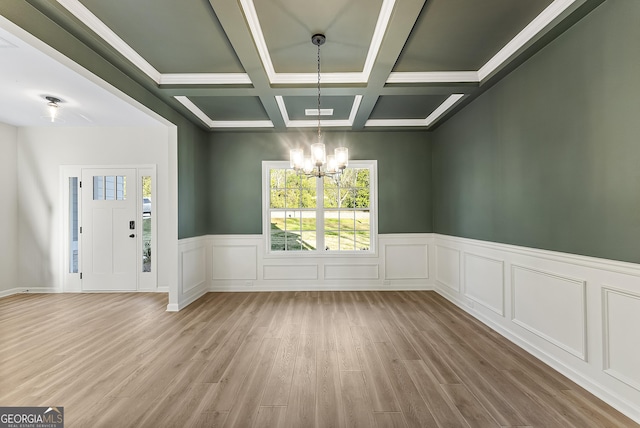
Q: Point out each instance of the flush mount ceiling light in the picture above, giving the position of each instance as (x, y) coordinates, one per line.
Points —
(53, 107)
(319, 164)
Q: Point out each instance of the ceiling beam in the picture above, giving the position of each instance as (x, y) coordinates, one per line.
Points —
(402, 21)
(232, 20)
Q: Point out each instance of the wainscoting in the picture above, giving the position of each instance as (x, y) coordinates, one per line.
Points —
(239, 263)
(578, 314)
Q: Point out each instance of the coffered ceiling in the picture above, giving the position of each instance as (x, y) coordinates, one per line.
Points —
(234, 64)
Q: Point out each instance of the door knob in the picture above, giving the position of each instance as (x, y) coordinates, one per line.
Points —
(132, 235)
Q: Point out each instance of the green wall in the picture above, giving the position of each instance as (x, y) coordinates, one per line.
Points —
(550, 156)
(193, 169)
(404, 176)
(193, 147)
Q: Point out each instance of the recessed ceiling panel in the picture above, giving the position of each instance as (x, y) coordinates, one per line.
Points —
(341, 106)
(406, 106)
(173, 36)
(288, 25)
(231, 108)
(462, 35)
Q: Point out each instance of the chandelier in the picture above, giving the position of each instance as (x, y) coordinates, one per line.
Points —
(319, 164)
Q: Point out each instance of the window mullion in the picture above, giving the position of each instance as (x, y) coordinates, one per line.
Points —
(320, 215)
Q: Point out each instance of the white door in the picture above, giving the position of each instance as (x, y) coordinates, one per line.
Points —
(109, 229)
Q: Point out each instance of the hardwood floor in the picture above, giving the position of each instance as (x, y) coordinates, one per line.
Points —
(290, 359)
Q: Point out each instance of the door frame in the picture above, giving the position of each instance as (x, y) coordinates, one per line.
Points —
(72, 282)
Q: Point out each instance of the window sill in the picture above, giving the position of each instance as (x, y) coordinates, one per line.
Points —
(320, 254)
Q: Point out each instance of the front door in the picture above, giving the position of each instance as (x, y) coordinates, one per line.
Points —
(109, 229)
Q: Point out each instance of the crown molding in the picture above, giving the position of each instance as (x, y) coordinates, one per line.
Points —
(322, 112)
(428, 121)
(205, 79)
(394, 122)
(443, 108)
(185, 101)
(354, 108)
(300, 78)
(78, 10)
(433, 77)
(532, 30)
(309, 78)
(241, 124)
(313, 123)
(546, 17)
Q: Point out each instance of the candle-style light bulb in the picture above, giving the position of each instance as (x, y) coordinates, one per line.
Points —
(308, 165)
(296, 158)
(318, 154)
(342, 157)
(332, 164)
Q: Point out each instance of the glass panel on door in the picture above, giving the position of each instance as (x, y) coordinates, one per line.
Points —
(147, 217)
(109, 188)
(73, 225)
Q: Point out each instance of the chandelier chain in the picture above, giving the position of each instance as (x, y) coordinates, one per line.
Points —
(318, 92)
(319, 164)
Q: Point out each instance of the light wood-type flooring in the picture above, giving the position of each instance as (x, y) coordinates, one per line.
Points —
(287, 359)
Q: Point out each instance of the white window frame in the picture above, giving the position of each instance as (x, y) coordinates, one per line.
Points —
(372, 165)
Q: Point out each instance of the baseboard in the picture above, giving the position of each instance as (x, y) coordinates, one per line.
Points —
(28, 290)
(11, 292)
(176, 307)
(238, 288)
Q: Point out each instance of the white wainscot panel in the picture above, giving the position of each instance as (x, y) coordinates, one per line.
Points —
(484, 281)
(336, 271)
(293, 272)
(406, 261)
(448, 267)
(550, 306)
(621, 339)
(235, 262)
(194, 268)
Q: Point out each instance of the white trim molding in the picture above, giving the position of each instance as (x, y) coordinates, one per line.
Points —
(482, 283)
(433, 77)
(312, 123)
(194, 271)
(556, 11)
(78, 10)
(27, 290)
(275, 78)
(205, 79)
(185, 101)
(528, 33)
(557, 307)
(564, 309)
(440, 111)
(239, 263)
(547, 17)
(621, 313)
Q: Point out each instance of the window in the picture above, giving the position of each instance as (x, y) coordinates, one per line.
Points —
(146, 223)
(109, 188)
(310, 215)
(73, 225)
